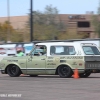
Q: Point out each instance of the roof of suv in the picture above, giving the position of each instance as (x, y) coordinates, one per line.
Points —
(63, 43)
(57, 43)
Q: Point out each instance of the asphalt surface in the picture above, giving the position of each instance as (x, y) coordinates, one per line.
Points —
(49, 88)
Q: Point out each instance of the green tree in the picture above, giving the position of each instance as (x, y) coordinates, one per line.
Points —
(47, 24)
(13, 35)
(72, 34)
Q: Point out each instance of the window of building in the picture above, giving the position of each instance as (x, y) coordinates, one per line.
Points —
(83, 24)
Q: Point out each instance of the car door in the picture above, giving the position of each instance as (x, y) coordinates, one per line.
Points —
(36, 65)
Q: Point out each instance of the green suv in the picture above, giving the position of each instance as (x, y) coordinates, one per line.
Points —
(55, 58)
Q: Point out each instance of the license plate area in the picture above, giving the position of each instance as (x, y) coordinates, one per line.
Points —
(92, 65)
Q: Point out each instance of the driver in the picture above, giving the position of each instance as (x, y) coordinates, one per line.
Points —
(19, 53)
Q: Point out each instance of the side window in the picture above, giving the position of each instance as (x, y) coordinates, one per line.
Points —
(62, 50)
(52, 50)
(39, 50)
(91, 50)
(72, 50)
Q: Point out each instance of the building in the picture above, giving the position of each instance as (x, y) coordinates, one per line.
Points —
(18, 22)
(81, 23)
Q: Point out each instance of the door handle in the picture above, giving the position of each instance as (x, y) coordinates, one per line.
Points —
(43, 59)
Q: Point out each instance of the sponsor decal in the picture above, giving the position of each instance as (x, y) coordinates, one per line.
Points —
(62, 57)
(49, 60)
(51, 64)
(63, 61)
(50, 57)
(72, 57)
(12, 60)
(74, 63)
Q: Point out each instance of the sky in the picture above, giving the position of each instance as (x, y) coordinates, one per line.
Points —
(22, 7)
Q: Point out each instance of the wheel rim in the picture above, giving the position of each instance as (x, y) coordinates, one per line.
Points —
(12, 70)
(64, 71)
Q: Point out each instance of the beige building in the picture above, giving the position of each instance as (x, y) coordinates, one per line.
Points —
(81, 23)
(18, 22)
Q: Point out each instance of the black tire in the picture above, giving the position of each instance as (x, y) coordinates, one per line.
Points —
(13, 71)
(33, 75)
(84, 75)
(64, 71)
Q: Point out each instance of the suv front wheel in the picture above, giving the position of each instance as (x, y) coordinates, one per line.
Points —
(13, 71)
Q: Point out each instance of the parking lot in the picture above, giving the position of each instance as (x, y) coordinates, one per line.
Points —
(49, 88)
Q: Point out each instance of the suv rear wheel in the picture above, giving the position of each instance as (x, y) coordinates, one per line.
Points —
(87, 73)
(64, 71)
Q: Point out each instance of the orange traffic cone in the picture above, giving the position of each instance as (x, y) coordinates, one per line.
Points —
(76, 74)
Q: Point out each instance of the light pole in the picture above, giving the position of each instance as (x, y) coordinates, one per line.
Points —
(31, 20)
(8, 14)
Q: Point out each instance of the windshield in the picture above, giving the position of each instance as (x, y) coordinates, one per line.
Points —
(39, 49)
(91, 50)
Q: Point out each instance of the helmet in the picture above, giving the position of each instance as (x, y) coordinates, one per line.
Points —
(19, 49)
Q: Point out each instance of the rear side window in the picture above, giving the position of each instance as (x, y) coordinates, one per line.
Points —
(62, 50)
(91, 50)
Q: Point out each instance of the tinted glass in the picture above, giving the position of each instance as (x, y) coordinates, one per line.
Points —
(91, 50)
(39, 49)
(62, 50)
